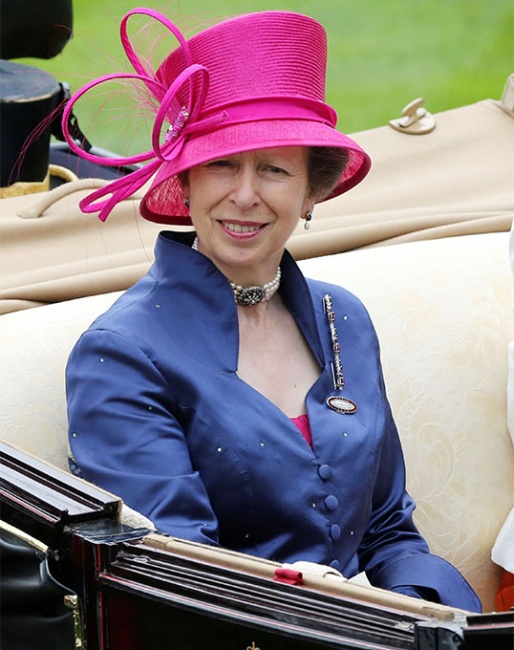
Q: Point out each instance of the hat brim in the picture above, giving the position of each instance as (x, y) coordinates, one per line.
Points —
(164, 200)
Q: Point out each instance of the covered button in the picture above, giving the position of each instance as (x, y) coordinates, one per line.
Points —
(325, 472)
(335, 532)
(331, 502)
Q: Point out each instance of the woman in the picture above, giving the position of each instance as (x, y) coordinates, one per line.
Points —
(225, 396)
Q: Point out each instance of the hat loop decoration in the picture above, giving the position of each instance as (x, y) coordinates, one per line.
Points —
(177, 130)
(129, 50)
(251, 82)
(124, 187)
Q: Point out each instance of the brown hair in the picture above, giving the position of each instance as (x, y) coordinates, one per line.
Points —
(325, 166)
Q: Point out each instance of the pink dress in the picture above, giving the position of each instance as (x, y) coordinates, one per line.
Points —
(302, 422)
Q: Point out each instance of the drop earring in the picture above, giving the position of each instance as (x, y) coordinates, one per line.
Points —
(308, 217)
(186, 202)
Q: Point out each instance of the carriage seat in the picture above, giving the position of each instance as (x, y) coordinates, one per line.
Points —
(442, 309)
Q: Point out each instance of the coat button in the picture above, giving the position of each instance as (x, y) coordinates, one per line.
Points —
(335, 532)
(331, 502)
(325, 472)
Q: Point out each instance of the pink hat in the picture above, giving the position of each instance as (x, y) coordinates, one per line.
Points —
(250, 82)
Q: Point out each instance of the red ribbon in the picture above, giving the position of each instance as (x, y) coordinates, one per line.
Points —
(289, 577)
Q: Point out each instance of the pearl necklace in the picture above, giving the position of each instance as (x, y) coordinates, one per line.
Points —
(249, 296)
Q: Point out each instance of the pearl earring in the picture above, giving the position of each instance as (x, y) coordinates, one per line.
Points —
(308, 217)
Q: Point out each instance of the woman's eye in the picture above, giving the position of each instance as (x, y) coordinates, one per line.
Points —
(219, 163)
(276, 170)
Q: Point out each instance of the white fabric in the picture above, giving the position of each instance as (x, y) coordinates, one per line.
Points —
(510, 383)
(314, 570)
(503, 549)
(134, 519)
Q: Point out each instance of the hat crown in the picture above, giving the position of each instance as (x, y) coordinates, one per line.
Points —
(260, 55)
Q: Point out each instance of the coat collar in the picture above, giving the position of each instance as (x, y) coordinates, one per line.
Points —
(178, 264)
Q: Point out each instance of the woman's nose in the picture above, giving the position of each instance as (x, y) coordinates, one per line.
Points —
(245, 192)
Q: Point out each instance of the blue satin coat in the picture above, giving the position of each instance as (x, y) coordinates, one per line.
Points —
(159, 416)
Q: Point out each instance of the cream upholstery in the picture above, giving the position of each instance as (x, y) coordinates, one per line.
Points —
(453, 181)
(442, 309)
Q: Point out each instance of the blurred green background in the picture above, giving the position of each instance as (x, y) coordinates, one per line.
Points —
(382, 54)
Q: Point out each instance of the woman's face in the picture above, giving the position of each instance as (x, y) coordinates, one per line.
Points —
(245, 207)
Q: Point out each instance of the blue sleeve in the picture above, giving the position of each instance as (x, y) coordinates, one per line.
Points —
(125, 435)
(393, 553)
(430, 577)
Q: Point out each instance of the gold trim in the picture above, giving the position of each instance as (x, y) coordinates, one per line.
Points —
(34, 187)
(28, 539)
(62, 172)
(21, 188)
(72, 601)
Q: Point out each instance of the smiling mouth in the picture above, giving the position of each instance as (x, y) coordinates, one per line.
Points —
(237, 227)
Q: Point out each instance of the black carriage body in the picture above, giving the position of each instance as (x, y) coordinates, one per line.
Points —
(109, 586)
